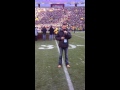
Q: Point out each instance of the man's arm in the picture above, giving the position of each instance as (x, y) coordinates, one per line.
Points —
(58, 37)
(68, 35)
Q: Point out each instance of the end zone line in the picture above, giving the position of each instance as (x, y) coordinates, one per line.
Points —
(70, 85)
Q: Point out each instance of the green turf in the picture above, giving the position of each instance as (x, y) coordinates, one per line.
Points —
(48, 76)
(77, 62)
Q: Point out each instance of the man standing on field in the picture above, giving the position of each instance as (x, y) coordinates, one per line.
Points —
(62, 36)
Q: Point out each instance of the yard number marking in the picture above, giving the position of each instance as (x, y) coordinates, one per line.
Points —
(46, 47)
(71, 46)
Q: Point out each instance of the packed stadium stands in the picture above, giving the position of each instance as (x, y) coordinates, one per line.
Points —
(74, 16)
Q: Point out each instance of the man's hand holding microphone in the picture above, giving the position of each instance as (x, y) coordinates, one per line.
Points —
(65, 32)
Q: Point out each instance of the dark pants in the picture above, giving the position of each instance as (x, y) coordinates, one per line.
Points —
(44, 36)
(66, 55)
(51, 36)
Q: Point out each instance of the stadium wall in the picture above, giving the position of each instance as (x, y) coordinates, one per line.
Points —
(65, 5)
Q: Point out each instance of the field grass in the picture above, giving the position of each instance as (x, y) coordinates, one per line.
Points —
(48, 76)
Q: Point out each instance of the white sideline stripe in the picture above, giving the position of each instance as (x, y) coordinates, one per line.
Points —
(70, 85)
(79, 36)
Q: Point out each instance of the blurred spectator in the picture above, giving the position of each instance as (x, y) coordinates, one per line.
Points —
(36, 34)
(51, 35)
(44, 32)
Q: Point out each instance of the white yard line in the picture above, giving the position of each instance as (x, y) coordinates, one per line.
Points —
(70, 85)
(78, 36)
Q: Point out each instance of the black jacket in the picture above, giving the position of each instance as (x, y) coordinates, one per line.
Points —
(61, 42)
(51, 30)
(44, 30)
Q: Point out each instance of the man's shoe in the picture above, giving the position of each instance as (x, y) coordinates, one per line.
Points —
(68, 66)
(59, 66)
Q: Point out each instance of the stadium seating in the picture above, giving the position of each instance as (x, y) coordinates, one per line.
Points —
(74, 16)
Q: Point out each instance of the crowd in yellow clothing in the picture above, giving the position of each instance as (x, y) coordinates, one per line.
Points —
(72, 15)
(36, 19)
(56, 31)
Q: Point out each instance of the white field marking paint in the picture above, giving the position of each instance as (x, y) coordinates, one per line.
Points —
(80, 32)
(46, 47)
(52, 46)
(78, 36)
(77, 32)
(80, 45)
(82, 60)
(70, 85)
(71, 46)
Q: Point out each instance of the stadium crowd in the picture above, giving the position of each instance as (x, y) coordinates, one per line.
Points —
(74, 16)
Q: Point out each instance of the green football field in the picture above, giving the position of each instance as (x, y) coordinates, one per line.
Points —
(48, 76)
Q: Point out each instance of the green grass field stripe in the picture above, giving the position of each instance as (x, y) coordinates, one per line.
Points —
(78, 36)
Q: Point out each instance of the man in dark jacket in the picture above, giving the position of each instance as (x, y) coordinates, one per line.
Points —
(51, 30)
(44, 32)
(63, 36)
(74, 29)
(36, 34)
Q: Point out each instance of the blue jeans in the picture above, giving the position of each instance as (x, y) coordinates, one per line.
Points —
(44, 36)
(51, 37)
(66, 55)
